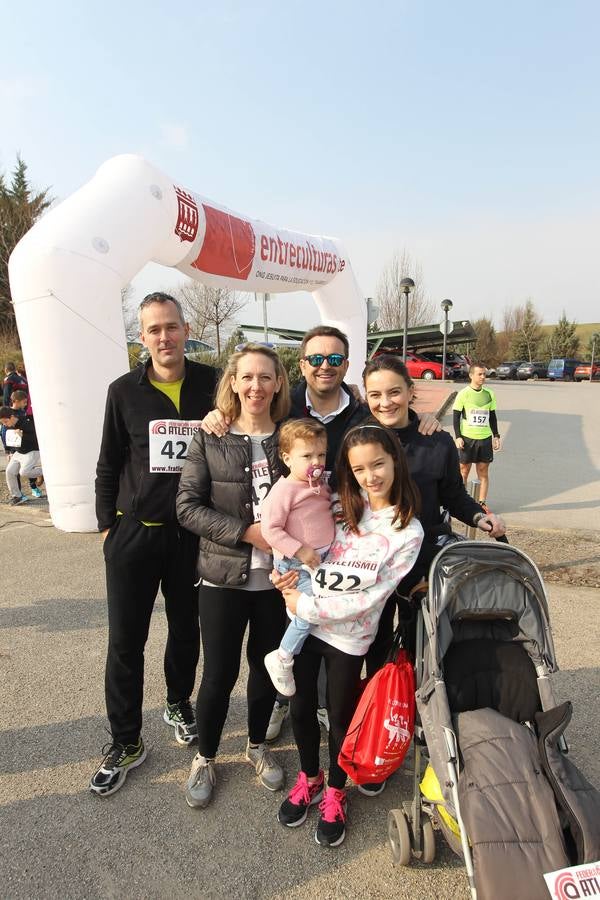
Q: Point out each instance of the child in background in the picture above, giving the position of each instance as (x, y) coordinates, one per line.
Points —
(297, 522)
(25, 460)
(20, 403)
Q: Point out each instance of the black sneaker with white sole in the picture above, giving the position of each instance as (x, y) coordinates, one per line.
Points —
(119, 760)
(294, 809)
(331, 827)
(181, 717)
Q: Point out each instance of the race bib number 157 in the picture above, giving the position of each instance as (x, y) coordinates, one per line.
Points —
(478, 417)
(169, 440)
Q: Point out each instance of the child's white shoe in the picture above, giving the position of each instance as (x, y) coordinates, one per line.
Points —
(281, 673)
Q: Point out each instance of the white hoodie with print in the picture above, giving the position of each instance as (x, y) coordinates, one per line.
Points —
(356, 578)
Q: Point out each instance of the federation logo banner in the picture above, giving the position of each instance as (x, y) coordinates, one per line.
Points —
(574, 882)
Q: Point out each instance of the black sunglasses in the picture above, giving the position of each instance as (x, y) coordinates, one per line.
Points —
(317, 359)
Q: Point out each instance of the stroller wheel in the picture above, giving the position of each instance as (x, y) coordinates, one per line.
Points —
(427, 854)
(399, 837)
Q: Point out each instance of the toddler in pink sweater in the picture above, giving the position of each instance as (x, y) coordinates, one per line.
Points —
(297, 521)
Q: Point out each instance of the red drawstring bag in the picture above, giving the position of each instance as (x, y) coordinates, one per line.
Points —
(382, 726)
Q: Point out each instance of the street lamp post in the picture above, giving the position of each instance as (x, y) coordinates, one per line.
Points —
(265, 300)
(446, 306)
(595, 337)
(407, 285)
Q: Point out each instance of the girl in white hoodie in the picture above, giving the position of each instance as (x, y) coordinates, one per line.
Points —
(376, 543)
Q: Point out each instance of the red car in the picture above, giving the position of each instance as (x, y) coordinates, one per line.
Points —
(418, 366)
(582, 373)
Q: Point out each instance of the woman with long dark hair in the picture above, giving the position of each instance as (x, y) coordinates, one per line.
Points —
(376, 542)
(433, 464)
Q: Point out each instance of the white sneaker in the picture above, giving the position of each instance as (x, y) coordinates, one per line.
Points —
(278, 716)
(269, 772)
(201, 783)
(281, 673)
(323, 718)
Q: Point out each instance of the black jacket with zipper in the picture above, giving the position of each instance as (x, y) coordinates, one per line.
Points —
(123, 478)
(214, 501)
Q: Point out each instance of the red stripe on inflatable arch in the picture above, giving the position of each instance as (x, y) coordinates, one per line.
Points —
(228, 247)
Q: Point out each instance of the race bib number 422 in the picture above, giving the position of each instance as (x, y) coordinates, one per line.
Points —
(169, 440)
(343, 578)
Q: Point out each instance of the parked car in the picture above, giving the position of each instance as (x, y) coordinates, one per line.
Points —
(508, 369)
(417, 365)
(192, 349)
(582, 372)
(533, 370)
(562, 369)
(458, 365)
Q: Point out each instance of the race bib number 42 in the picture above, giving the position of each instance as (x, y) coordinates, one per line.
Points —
(478, 417)
(169, 440)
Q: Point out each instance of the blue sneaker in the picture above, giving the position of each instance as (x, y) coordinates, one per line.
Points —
(17, 501)
(36, 492)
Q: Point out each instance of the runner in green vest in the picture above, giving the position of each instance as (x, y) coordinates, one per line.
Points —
(476, 429)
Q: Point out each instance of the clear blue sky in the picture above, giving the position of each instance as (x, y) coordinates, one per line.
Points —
(466, 133)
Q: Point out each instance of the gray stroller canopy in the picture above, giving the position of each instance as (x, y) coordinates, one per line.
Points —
(480, 584)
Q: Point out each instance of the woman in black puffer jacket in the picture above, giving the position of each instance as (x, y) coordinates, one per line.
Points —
(222, 486)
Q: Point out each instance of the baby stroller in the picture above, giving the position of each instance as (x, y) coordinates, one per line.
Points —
(508, 801)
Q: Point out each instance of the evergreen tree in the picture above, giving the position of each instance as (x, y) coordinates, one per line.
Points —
(20, 207)
(593, 346)
(527, 336)
(290, 357)
(563, 341)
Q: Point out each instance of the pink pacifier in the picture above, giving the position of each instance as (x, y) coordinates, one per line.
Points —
(314, 473)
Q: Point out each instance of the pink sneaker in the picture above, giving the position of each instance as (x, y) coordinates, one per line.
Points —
(331, 829)
(294, 810)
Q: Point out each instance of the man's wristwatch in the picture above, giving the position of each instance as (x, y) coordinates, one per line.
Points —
(477, 518)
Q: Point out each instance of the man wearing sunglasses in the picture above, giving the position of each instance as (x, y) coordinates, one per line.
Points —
(323, 393)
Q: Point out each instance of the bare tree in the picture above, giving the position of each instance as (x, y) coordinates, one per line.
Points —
(512, 323)
(209, 310)
(486, 343)
(390, 298)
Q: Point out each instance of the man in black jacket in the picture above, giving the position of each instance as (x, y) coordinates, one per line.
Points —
(323, 393)
(151, 415)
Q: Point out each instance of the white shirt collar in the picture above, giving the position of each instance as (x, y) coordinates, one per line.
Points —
(328, 417)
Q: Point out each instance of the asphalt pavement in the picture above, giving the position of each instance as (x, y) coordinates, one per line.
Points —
(57, 840)
(547, 473)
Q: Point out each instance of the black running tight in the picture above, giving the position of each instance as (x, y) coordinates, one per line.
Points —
(225, 614)
(343, 686)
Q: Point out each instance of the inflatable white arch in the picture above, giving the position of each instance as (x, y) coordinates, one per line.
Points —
(66, 277)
